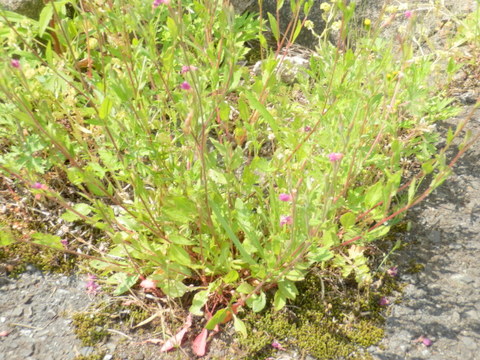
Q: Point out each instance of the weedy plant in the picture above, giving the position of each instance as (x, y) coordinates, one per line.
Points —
(207, 178)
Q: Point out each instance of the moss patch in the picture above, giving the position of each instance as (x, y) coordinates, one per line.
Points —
(337, 325)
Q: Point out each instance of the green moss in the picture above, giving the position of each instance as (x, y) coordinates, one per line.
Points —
(90, 357)
(90, 327)
(337, 325)
(43, 258)
(414, 267)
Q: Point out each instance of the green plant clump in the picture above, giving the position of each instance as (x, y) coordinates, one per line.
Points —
(212, 182)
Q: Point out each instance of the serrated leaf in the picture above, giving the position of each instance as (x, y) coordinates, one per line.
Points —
(288, 288)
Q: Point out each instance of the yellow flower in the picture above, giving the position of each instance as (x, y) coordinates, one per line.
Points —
(309, 25)
(325, 7)
(367, 22)
(336, 25)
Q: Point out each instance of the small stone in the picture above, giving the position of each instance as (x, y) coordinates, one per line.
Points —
(468, 342)
(17, 312)
(87, 350)
(139, 356)
(108, 357)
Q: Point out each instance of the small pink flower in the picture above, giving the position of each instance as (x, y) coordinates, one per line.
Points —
(334, 157)
(15, 63)
(383, 301)
(91, 285)
(148, 284)
(408, 14)
(286, 220)
(156, 3)
(307, 128)
(64, 242)
(393, 271)
(285, 197)
(187, 68)
(277, 345)
(39, 186)
(185, 86)
(427, 342)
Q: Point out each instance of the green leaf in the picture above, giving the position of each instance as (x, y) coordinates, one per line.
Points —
(216, 319)
(83, 209)
(239, 326)
(173, 288)
(374, 195)
(105, 108)
(348, 220)
(412, 190)
(288, 288)
(179, 255)
(52, 241)
(257, 302)
(45, 17)
(126, 284)
(279, 300)
(217, 177)
(231, 277)
(218, 215)
(274, 26)
(258, 106)
(245, 288)
(199, 301)
(6, 237)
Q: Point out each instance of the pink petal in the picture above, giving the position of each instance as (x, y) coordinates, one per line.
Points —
(200, 343)
(148, 284)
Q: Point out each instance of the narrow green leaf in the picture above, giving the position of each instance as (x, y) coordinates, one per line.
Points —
(231, 234)
(274, 26)
(279, 300)
(216, 319)
(45, 17)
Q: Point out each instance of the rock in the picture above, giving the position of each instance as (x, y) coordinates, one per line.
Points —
(289, 69)
(30, 8)
(305, 38)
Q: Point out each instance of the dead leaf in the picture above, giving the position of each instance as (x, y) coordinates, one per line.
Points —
(176, 340)
(199, 345)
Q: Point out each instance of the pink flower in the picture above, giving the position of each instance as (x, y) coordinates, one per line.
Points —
(426, 341)
(148, 284)
(39, 186)
(383, 301)
(277, 345)
(64, 242)
(185, 86)
(334, 157)
(393, 271)
(160, 2)
(408, 14)
(286, 220)
(285, 197)
(15, 63)
(187, 68)
(91, 285)
(307, 128)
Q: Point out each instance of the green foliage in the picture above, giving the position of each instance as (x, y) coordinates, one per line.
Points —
(179, 154)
